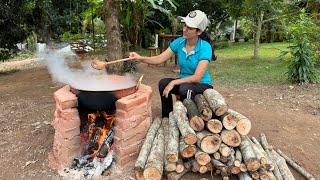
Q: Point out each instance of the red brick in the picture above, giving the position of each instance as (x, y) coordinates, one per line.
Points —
(129, 102)
(130, 149)
(69, 113)
(53, 163)
(131, 122)
(138, 110)
(67, 141)
(123, 161)
(126, 142)
(65, 98)
(126, 134)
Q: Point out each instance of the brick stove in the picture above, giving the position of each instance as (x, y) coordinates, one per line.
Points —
(133, 118)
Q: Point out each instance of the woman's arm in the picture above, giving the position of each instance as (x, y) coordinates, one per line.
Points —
(153, 59)
(195, 78)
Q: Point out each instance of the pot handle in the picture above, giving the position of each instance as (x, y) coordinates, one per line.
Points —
(139, 82)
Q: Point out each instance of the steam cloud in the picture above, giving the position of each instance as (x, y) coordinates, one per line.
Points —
(85, 78)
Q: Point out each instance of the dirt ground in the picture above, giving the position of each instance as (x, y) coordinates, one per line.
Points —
(288, 115)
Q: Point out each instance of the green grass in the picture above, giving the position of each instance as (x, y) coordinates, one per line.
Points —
(236, 67)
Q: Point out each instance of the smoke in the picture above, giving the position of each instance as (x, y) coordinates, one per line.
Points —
(64, 67)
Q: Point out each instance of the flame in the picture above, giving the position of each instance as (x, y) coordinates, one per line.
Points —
(96, 134)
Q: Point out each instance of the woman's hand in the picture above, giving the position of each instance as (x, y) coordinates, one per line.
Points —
(168, 88)
(98, 64)
(134, 56)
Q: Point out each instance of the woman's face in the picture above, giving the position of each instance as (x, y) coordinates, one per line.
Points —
(189, 32)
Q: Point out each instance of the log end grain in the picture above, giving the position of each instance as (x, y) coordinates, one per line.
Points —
(152, 173)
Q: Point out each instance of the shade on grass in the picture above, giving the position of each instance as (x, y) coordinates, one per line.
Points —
(235, 65)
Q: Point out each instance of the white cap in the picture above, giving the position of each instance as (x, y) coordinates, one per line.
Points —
(196, 19)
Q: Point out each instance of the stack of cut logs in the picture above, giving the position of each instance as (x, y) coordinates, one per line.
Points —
(203, 135)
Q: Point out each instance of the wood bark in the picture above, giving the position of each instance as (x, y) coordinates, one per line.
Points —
(216, 102)
(229, 121)
(169, 166)
(154, 166)
(217, 164)
(214, 126)
(146, 147)
(173, 142)
(295, 166)
(203, 107)
(208, 142)
(195, 166)
(179, 111)
(267, 148)
(202, 158)
(231, 138)
(186, 150)
(177, 176)
(283, 168)
(244, 176)
(243, 124)
(113, 32)
(248, 154)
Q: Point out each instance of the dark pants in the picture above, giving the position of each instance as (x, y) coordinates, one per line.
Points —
(181, 90)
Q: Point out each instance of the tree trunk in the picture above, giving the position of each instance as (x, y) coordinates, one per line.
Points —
(154, 165)
(256, 54)
(173, 144)
(169, 166)
(216, 102)
(284, 169)
(114, 47)
(244, 176)
(248, 154)
(214, 126)
(243, 124)
(231, 138)
(203, 107)
(208, 142)
(188, 134)
(146, 147)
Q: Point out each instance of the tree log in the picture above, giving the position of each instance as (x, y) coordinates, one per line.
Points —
(177, 176)
(214, 126)
(267, 148)
(217, 164)
(248, 154)
(224, 150)
(186, 150)
(165, 126)
(208, 142)
(170, 166)
(146, 148)
(295, 166)
(203, 107)
(243, 124)
(231, 138)
(238, 158)
(179, 111)
(202, 158)
(196, 123)
(229, 121)
(216, 155)
(154, 166)
(180, 166)
(216, 102)
(283, 168)
(244, 176)
(173, 143)
(195, 166)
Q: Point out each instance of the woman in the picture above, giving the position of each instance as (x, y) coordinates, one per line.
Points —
(194, 56)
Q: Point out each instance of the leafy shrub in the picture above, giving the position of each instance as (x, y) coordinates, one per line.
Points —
(4, 54)
(301, 66)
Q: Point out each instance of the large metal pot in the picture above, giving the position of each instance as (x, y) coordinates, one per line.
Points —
(104, 99)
